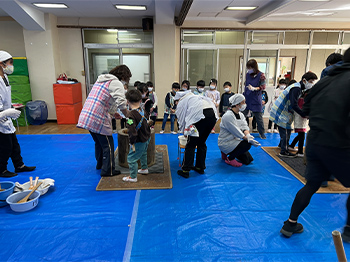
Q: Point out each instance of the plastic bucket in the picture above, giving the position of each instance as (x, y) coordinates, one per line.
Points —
(22, 207)
(8, 186)
(183, 140)
(41, 189)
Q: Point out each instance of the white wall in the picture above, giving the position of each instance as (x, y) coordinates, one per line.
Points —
(11, 37)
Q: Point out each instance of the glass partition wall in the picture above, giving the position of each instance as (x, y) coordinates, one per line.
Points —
(207, 54)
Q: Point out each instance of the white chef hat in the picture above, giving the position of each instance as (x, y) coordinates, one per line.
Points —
(4, 56)
(236, 99)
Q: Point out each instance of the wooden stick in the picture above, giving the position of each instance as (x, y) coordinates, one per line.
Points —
(339, 248)
(36, 180)
(31, 182)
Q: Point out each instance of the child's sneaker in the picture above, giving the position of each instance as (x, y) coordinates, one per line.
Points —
(292, 149)
(129, 179)
(269, 131)
(287, 154)
(161, 131)
(275, 131)
(223, 156)
(174, 133)
(233, 162)
(300, 155)
(289, 228)
(143, 171)
(346, 234)
(255, 130)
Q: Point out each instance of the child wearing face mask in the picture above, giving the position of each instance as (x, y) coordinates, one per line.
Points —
(146, 103)
(153, 97)
(185, 85)
(170, 107)
(224, 101)
(213, 95)
(200, 88)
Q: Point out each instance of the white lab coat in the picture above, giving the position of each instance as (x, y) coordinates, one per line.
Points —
(6, 125)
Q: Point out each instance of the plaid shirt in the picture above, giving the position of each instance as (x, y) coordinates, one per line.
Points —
(94, 116)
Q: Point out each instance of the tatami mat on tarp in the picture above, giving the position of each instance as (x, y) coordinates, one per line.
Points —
(156, 179)
(297, 168)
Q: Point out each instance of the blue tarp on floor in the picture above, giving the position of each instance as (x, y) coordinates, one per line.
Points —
(227, 214)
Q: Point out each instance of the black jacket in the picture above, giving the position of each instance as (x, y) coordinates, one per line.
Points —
(328, 107)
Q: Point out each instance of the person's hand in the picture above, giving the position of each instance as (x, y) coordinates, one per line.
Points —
(117, 116)
(255, 143)
(12, 113)
(251, 88)
(249, 138)
(151, 110)
(172, 110)
(263, 103)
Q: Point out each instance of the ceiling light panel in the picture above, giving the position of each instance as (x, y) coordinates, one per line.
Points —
(131, 7)
(240, 8)
(50, 5)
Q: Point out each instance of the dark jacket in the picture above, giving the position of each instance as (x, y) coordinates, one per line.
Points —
(328, 107)
(224, 102)
(141, 135)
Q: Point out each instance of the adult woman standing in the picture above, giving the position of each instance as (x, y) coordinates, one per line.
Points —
(106, 96)
(254, 85)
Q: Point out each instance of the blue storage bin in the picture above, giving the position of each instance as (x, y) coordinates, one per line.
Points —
(36, 112)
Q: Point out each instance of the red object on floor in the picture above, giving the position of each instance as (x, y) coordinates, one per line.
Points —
(68, 114)
(67, 93)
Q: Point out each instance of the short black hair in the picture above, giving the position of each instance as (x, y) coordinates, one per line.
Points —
(346, 57)
(149, 84)
(333, 59)
(282, 81)
(291, 82)
(142, 87)
(227, 83)
(136, 83)
(201, 83)
(186, 82)
(175, 85)
(133, 96)
(309, 75)
(213, 80)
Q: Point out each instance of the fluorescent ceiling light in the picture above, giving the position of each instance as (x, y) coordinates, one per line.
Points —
(240, 8)
(112, 30)
(131, 7)
(50, 5)
(314, 0)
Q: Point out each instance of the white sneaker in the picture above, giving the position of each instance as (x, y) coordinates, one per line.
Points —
(292, 149)
(300, 155)
(255, 130)
(142, 171)
(179, 132)
(174, 133)
(129, 179)
(161, 131)
(275, 131)
(269, 131)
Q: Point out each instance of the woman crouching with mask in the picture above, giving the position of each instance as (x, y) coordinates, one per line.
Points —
(235, 140)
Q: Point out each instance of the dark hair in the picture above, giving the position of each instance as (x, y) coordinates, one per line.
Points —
(213, 80)
(142, 87)
(175, 85)
(291, 82)
(227, 83)
(133, 96)
(136, 83)
(346, 57)
(309, 75)
(253, 64)
(201, 83)
(149, 84)
(122, 72)
(333, 59)
(282, 81)
(186, 82)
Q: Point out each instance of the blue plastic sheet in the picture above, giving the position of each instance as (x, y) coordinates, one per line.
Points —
(227, 214)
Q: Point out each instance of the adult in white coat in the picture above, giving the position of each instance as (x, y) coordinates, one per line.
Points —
(9, 147)
(235, 140)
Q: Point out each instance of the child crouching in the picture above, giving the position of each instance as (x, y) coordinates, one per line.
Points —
(139, 136)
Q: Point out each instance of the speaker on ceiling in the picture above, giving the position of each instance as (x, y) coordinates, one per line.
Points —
(147, 24)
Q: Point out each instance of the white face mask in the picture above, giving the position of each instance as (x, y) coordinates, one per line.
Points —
(123, 82)
(8, 69)
(308, 85)
(212, 87)
(227, 89)
(282, 87)
(250, 71)
(243, 107)
(125, 91)
(184, 88)
(200, 90)
(150, 89)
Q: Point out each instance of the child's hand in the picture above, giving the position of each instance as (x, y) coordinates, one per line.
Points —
(117, 116)
(151, 109)
(172, 110)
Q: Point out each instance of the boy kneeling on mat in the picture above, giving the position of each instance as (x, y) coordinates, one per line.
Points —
(139, 136)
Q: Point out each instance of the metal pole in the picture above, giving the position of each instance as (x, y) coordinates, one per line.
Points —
(339, 248)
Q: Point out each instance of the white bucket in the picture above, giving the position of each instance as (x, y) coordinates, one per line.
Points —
(183, 140)
(22, 207)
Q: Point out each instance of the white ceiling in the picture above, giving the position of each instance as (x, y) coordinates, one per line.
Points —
(204, 10)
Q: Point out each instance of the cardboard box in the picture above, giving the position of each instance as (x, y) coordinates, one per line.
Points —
(68, 114)
(67, 93)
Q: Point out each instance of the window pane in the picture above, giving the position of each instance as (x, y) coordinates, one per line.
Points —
(264, 38)
(202, 66)
(296, 69)
(229, 37)
(115, 36)
(199, 37)
(346, 40)
(296, 38)
(323, 38)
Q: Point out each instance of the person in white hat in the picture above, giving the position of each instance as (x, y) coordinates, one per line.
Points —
(234, 139)
(9, 147)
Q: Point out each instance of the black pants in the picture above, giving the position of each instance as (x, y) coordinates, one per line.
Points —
(285, 136)
(104, 153)
(154, 119)
(300, 140)
(9, 147)
(270, 125)
(322, 161)
(123, 123)
(241, 152)
(204, 127)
